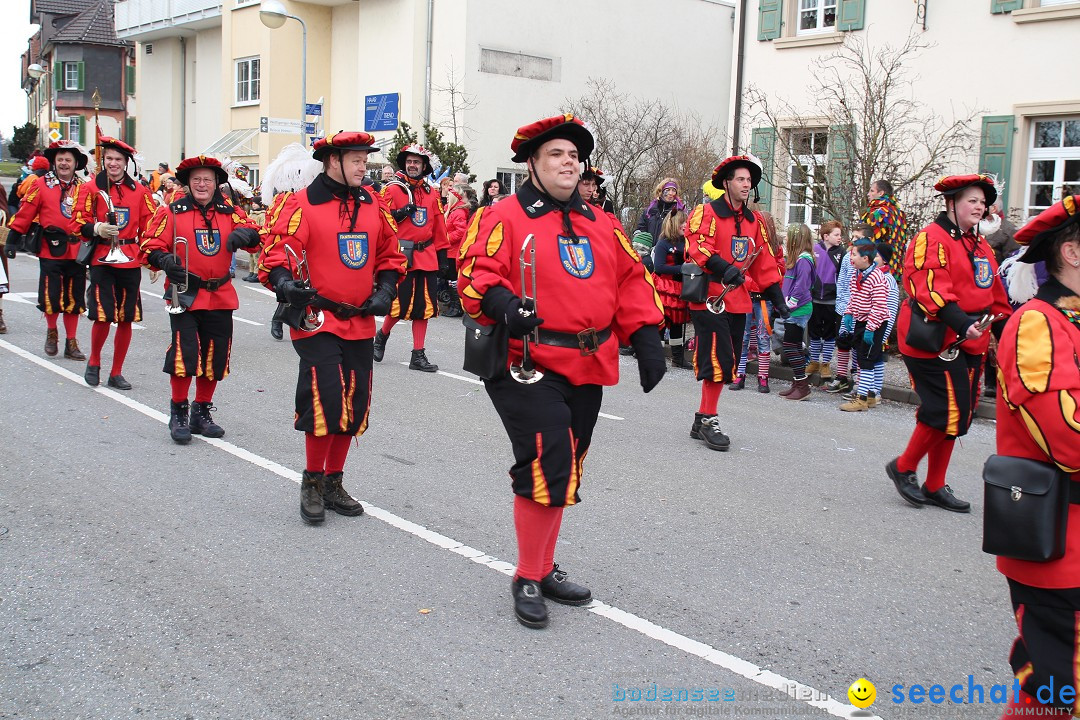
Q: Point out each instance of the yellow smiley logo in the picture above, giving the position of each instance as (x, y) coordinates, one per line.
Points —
(862, 693)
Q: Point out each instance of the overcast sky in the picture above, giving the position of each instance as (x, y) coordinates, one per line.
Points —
(15, 31)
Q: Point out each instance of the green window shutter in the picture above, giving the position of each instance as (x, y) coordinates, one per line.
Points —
(82, 129)
(129, 79)
(838, 175)
(763, 144)
(851, 15)
(995, 147)
(770, 18)
(58, 76)
(1005, 6)
(129, 131)
(82, 74)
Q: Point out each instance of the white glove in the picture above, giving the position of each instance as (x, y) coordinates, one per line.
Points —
(107, 231)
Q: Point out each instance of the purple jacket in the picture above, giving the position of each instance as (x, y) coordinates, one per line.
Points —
(826, 265)
(797, 281)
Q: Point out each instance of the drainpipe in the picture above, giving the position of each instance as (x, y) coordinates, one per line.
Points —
(739, 38)
(427, 71)
(183, 97)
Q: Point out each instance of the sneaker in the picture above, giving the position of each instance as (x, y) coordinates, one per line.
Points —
(738, 384)
(907, 484)
(762, 384)
(555, 586)
(711, 435)
(837, 384)
(944, 498)
(529, 605)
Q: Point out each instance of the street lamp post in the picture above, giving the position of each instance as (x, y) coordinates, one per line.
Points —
(36, 71)
(272, 14)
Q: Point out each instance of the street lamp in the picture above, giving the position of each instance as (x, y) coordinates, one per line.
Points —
(36, 71)
(272, 14)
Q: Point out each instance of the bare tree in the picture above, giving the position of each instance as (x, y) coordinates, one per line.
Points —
(865, 100)
(458, 103)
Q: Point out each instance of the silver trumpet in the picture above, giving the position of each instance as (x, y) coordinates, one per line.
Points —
(313, 317)
(175, 308)
(952, 350)
(526, 373)
(715, 303)
(115, 255)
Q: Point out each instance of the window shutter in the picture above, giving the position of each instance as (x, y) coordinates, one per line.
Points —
(770, 18)
(851, 15)
(1005, 6)
(838, 174)
(82, 74)
(129, 79)
(129, 131)
(995, 148)
(58, 76)
(82, 129)
(763, 144)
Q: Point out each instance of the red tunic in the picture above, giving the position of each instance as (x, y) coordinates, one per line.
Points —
(597, 282)
(714, 228)
(52, 204)
(943, 269)
(343, 257)
(425, 224)
(206, 255)
(1037, 415)
(134, 207)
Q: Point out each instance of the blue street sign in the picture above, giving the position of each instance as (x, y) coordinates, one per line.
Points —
(313, 108)
(381, 112)
(309, 128)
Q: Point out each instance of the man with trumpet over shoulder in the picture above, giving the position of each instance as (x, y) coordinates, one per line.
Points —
(585, 293)
(332, 254)
(193, 240)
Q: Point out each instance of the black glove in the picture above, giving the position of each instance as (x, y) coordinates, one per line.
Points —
(242, 238)
(174, 269)
(517, 324)
(447, 267)
(650, 356)
(402, 213)
(382, 299)
(296, 293)
(775, 295)
(717, 265)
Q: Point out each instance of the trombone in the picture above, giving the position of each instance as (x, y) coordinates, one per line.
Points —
(715, 303)
(952, 350)
(175, 308)
(526, 373)
(115, 255)
(312, 318)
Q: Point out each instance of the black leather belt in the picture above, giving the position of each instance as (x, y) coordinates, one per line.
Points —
(419, 245)
(194, 281)
(342, 311)
(588, 341)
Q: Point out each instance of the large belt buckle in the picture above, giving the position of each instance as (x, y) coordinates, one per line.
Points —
(588, 342)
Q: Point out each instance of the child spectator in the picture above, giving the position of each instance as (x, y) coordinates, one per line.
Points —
(845, 336)
(669, 254)
(828, 255)
(797, 281)
(884, 263)
(869, 310)
(758, 333)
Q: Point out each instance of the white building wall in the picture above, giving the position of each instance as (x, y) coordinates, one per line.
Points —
(157, 130)
(204, 91)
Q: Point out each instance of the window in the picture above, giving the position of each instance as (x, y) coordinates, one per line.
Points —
(816, 16)
(510, 181)
(245, 3)
(74, 128)
(149, 48)
(806, 176)
(1053, 163)
(71, 76)
(247, 81)
(254, 176)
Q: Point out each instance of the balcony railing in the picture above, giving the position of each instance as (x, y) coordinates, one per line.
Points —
(136, 18)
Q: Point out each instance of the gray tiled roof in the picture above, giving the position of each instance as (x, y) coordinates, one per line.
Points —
(94, 24)
(62, 7)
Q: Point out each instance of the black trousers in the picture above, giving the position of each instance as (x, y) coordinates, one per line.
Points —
(333, 390)
(550, 425)
(948, 391)
(61, 286)
(719, 344)
(201, 344)
(1047, 643)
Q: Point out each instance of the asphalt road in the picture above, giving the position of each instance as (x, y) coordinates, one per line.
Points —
(144, 579)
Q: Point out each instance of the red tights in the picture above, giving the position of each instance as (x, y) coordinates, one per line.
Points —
(537, 529)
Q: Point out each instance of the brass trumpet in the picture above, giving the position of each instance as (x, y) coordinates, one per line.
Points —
(715, 303)
(175, 308)
(952, 350)
(313, 317)
(526, 373)
(115, 255)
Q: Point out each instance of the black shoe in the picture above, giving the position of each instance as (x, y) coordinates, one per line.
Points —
(311, 498)
(529, 605)
(626, 350)
(92, 376)
(420, 362)
(335, 498)
(695, 429)
(711, 435)
(276, 331)
(944, 498)
(990, 391)
(251, 277)
(907, 484)
(202, 423)
(380, 345)
(118, 382)
(556, 587)
(763, 385)
(178, 423)
(738, 384)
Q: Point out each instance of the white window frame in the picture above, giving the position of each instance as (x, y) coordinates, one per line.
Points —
(1058, 154)
(510, 180)
(818, 6)
(71, 75)
(252, 79)
(244, 3)
(72, 121)
(818, 166)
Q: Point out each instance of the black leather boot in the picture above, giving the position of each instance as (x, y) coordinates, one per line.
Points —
(202, 423)
(420, 362)
(178, 423)
(556, 587)
(711, 435)
(529, 605)
(335, 498)
(380, 345)
(695, 429)
(311, 497)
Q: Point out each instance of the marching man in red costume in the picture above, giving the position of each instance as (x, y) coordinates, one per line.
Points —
(591, 292)
(722, 236)
(62, 283)
(950, 274)
(212, 229)
(344, 237)
(112, 210)
(422, 232)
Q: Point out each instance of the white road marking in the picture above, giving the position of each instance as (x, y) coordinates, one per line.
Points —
(795, 690)
(260, 290)
(474, 381)
(18, 298)
(247, 322)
